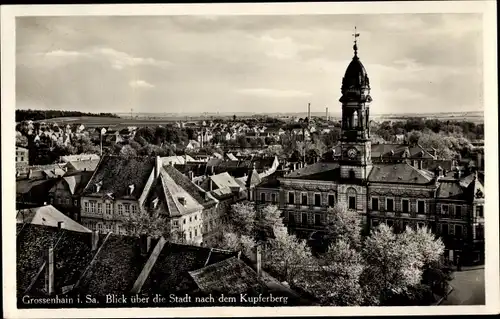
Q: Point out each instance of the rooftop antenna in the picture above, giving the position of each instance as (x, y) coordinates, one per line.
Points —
(355, 46)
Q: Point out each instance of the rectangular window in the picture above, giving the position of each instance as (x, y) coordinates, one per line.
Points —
(389, 204)
(262, 197)
(374, 222)
(331, 200)
(479, 232)
(86, 204)
(479, 211)
(458, 212)
(92, 207)
(108, 208)
(291, 198)
(291, 217)
(317, 219)
(304, 199)
(420, 206)
(375, 204)
(444, 230)
(304, 218)
(22, 159)
(458, 231)
(445, 210)
(317, 200)
(352, 202)
(99, 208)
(99, 227)
(195, 232)
(273, 198)
(127, 209)
(134, 209)
(405, 206)
(120, 209)
(390, 223)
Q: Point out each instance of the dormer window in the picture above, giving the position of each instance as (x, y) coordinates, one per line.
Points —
(155, 203)
(131, 189)
(182, 200)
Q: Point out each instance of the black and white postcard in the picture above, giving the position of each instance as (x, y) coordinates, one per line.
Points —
(250, 159)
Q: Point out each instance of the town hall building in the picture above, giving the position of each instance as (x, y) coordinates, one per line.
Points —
(400, 187)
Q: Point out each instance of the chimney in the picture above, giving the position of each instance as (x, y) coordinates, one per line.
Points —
(94, 240)
(158, 164)
(98, 187)
(131, 189)
(60, 225)
(258, 258)
(145, 244)
(49, 272)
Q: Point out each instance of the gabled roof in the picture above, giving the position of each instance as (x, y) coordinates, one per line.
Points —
(318, 171)
(48, 216)
(230, 276)
(223, 180)
(117, 173)
(83, 165)
(75, 181)
(171, 270)
(117, 266)
(71, 256)
(183, 181)
(397, 173)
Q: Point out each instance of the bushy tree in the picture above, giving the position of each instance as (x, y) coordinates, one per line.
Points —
(128, 151)
(343, 224)
(242, 218)
(286, 256)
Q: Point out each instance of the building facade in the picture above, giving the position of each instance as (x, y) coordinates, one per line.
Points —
(399, 185)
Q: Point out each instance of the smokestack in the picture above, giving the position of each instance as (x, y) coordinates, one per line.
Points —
(49, 274)
(259, 260)
(309, 111)
(327, 114)
(94, 240)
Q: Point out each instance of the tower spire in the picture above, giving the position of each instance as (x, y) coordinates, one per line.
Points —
(355, 46)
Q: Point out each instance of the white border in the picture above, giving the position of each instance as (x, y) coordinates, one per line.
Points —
(488, 8)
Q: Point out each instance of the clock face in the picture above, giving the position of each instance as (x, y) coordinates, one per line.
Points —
(352, 152)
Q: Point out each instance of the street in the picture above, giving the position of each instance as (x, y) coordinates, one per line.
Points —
(468, 288)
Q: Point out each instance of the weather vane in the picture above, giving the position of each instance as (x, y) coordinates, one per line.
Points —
(355, 35)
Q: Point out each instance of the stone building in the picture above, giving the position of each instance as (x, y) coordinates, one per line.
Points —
(399, 185)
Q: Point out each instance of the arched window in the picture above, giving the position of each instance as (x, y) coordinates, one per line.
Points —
(355, 119)
(351, 198)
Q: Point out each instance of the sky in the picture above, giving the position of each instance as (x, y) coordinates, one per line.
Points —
(417, 63)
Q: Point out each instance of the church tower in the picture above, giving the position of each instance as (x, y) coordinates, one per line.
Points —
(356, 161)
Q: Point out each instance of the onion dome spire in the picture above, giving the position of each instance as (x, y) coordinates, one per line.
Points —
(355, 46)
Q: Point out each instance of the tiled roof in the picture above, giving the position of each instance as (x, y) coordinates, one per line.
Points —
(450, 189)
(384, 150)
(80, 157)
(318, 171)
(173, 192)
(230, 276)
(184, 182)
(48, 216)
(71, 255)
(224, 180)
(117, 173)
(398, 173)
(83, 165)
(171, 270)
(116, 267)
